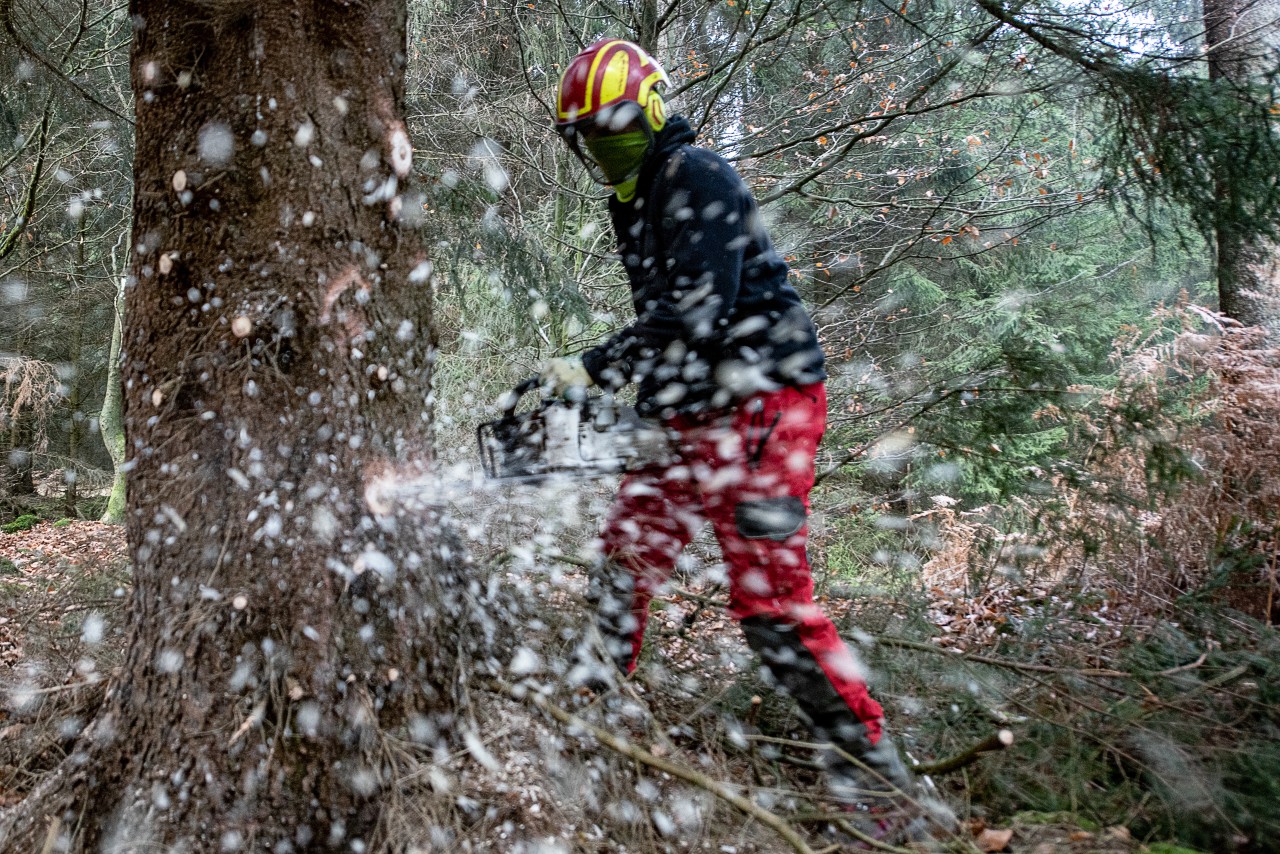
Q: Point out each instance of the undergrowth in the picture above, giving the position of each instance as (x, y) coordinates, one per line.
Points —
(1182, 746)
(1133, 651)
(1119, 627)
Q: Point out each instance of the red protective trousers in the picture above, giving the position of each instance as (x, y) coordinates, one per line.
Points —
(749, 472)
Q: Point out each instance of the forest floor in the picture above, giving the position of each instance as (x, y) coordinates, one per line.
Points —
(62, 584)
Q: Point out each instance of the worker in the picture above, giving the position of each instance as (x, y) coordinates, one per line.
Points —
(723, 353)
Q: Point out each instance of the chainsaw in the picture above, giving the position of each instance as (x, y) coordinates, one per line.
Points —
(589, 437)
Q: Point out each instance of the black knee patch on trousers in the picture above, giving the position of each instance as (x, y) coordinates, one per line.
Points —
(797, 672)
(769, 518)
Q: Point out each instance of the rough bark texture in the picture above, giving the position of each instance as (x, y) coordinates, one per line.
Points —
(275, 366)
(1241, 38)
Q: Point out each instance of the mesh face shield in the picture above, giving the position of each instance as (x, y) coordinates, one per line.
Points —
(611, 144)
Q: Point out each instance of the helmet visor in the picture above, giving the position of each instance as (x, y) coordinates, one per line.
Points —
(611, 144)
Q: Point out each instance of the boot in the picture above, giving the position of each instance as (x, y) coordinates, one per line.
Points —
(611, 591)
(868, 779)
(591, 671)
(883, 798)
(602, 659)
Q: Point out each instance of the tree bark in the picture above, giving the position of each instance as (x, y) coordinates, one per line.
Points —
(276, 362)
(18, 465)
(111, 420)
(18, 468)
(75, 423)
(646, 18)
(1240, 41)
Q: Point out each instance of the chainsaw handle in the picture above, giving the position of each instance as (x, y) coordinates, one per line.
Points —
(520, 391)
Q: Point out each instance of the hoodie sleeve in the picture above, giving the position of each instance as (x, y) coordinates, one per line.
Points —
(703, 210)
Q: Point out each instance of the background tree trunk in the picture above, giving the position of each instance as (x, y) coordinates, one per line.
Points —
(1241, 39)
(17, 467)
(111, 420)
(276, 362)
(19, 477)
(76, 381)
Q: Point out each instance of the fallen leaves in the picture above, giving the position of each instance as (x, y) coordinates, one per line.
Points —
(38, 564)
(994, 839)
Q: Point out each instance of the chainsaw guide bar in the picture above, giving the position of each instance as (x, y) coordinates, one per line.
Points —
(591, 437)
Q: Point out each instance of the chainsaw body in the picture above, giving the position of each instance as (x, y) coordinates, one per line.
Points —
(591, 437)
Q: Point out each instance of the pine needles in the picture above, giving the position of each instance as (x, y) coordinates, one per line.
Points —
(1212, 146)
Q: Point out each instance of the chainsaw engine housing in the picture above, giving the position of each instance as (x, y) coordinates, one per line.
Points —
(589, 438)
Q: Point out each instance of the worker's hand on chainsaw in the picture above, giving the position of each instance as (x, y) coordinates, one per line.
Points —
(558, 376)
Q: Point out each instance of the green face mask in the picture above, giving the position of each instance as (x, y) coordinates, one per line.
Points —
(619, 155)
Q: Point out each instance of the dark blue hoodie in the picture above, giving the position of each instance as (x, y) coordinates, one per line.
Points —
(716, 319)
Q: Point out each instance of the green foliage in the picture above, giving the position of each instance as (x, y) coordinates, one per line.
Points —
(7, 567)
(861, 546)
(1190, 754)
(62, 523)
(92, 507)
(1210, 145)
(493, 275)
(24, 522)
(1191, 757)
(988, 381)
(914, 290)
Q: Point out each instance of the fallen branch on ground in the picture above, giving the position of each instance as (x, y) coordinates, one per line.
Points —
(1094, 672)
(994, 742)
(715, 787)
(1090, 672)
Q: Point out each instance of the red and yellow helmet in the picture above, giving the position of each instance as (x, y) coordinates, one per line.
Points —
(607, 75)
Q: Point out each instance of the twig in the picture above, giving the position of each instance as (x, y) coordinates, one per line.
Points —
(58, 689)
(842, 822)
(1090, 672)
(1001, 718)
(51, 837)
(752, 755)
(702, 781)
(1216, 682)
(254, 719)
(801, 762)
(996, 741)
(1098, 673)
(703, 603)
(701, 598)
(847, 826)
(570, 559)
(1182, 668)
(1271, 587)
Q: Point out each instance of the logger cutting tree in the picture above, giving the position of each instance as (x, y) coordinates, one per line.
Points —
(899, 244)
(724, 354)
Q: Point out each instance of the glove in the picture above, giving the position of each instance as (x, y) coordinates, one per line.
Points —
(558, 376)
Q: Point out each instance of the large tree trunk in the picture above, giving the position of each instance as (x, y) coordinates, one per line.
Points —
(1241, 39)
(276, 360)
